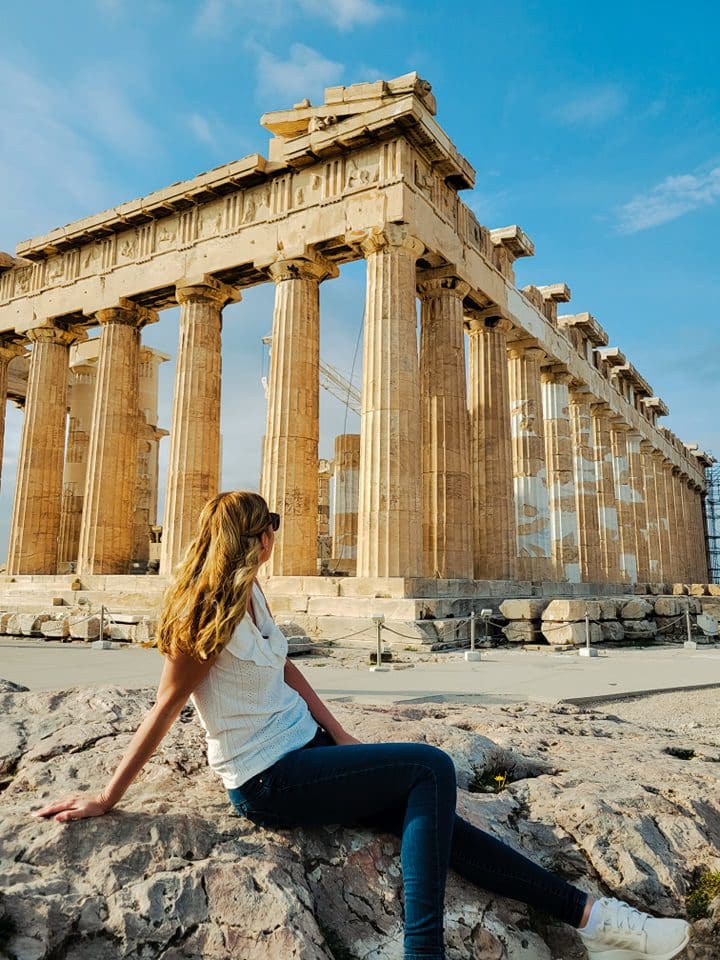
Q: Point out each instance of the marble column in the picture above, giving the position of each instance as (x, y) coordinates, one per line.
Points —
(701, 536)
(624, 498)
(587, 491)
(663, 521)
(390, 508)
(674, 565)
(194, 457)
(106, 529)
(35, 525)
(290, 450)
(9, 349)
(145, 500)
(446, 492)
(495, 544)
(609, 531)
(82, 392)
(679, 538)
(652, 526)
(560, 474)
(527, 428)
(346, 494)
(639, 509)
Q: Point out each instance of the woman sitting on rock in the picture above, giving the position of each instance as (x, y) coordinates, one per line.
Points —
(286, 761)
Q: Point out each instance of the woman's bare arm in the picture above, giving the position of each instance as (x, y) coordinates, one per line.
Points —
(319, 710)
(180, 677)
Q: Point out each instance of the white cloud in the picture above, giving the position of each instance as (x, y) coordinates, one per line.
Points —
(593, 107)
(345, 14)
(669, 200)
(305, 73)
(200, 129)
(341, 14)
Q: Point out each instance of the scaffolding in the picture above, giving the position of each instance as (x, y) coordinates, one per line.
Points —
(712, 520)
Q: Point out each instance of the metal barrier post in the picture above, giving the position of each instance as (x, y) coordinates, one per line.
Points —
(472, 653)
(689, 644)
(587, 650)
(378, 619)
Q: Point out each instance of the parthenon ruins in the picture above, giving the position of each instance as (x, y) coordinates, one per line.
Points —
(541, 460)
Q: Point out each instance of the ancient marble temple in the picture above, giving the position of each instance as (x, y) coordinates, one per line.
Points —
(545, 462)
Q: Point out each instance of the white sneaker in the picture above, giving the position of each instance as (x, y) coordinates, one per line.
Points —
(623, 933)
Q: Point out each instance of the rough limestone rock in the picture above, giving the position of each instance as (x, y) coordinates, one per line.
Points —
(522, 609)
(574, 633)
(670, 629)
(679, 589)
(609, 608)
(640, 629)
(4, 620)
(146, 630)
(55, 629)
(85, 627)
(668, 607)
(612, 630)
(708, 624)
(697, 589)
(636, 609)
(571, 610)
(173, 874)
(714, 589)
(521, 631)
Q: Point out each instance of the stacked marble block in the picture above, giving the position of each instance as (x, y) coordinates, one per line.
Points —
(77, 623)
(568, 622)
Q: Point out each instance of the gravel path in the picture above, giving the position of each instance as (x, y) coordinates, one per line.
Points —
(695, 712)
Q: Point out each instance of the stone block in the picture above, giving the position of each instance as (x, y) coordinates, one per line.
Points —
(570, 633)
(697, 589)
(30, 623)
(76, 584)
(146, 630)
(522, 609)
(53, 629)
(521, 631)
(694, 605)
(612, 630)
(640, 629)
(565, 611)
(668, 607)
(123, 632)
(609, 608)
(12, 625)
(657, 589)
(679, 589)
(670, 629)
(708, 624)
(288, 603)
(292, 629)
(714, 589)
(638, 609)
(58, 601)
(85, 628)
(125, 617)
(4, 620)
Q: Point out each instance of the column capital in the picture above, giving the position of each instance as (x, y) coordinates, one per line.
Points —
(10, 348)
(483, 320)
(619, 424)
(528, 348)
(441, 281)
(556, 374)
(600, 408)
(310, 266)
(53, 331)
(580, 392)
(127, 313)
(392, 235)
(205, 289)
(646, 446)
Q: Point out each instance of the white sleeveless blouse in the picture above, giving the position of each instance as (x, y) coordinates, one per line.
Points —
(251, 717)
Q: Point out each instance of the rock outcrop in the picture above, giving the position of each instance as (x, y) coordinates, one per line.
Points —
(173, 874)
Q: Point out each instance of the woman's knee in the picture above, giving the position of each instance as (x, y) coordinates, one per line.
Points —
(437, 762)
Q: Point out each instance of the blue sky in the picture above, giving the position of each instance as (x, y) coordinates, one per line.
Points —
(593, 126)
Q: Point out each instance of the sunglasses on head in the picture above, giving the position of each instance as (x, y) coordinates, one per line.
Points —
(275, 521)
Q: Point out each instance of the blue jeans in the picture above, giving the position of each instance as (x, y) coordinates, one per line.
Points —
(407, 789)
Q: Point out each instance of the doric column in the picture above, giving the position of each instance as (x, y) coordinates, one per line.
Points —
(345, 502)
(194, 457)
(663, 522)
(527, 428)
(390, 510)
(587, 490)
(623, 496)
(683, 510)
(83, 377)
(446, 492)
(700, 540)
(290, 451)
(495, 542)
(607, 500)
(9, 349)
(145, 500)
(560, 474)
(107, 523)
(35, 523)
(639, 509)
(674, 572)
(652, 525)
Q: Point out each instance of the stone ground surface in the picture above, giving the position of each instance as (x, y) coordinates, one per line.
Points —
(173, 874)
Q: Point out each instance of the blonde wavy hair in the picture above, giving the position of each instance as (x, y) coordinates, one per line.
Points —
(211, 586)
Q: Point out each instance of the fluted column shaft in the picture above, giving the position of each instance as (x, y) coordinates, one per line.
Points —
(607, 500)
(390, 510)
(107, 523)
(194, 458)
(82, 393)
(36, 509)
(447, 535)
(495, 542)
(652, 528)
(674, 564)
(624, 498)
(346, 498)
(587, 492)
(639, 507)
(680, 545)
(560, 475)
(663, 522)
(290, 450)
(527, 428)
(703, 571)
(8, 351)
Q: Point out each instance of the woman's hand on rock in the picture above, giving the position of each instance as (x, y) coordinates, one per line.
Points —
(74, 808)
